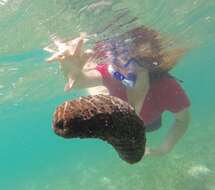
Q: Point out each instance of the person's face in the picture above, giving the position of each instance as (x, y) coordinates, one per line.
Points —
(144, 49)
(139, 53)
(131, 68)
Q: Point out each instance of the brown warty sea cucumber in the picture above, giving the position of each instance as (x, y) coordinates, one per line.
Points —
(105, 117)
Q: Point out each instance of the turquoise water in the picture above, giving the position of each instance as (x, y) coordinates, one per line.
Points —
(32, 157)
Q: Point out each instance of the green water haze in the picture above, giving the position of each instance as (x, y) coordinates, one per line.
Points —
(32, 157)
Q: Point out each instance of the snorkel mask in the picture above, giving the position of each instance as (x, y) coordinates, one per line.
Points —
(120, 57)
(121, 53)
(129, 80)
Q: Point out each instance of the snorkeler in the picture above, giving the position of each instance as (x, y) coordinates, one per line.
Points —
(135, 68)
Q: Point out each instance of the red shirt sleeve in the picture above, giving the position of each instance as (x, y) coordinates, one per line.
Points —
(103, 69)
(165, 94)
(173, 96)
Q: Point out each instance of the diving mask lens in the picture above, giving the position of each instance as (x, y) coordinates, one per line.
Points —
(117, 75)
(130, 80)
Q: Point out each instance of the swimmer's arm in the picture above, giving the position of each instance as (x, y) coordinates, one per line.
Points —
(80, 75)
(143, 84)
(177, 130)
(89, 77)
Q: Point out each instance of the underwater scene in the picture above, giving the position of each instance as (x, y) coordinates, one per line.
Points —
(33, 157)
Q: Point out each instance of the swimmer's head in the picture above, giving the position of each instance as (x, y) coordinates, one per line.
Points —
(130, 54)
(138, 49)
(141, 45)
(153, 52)
(147, 47)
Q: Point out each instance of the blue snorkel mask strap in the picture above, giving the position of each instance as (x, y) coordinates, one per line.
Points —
(116, 50)
(128, 81)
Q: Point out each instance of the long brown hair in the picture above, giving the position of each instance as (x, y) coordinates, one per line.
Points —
(166, 58)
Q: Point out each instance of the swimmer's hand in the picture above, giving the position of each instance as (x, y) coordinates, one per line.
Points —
(69, 51)
(160, 151)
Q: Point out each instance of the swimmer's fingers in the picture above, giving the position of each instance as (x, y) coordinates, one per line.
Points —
(147, 151)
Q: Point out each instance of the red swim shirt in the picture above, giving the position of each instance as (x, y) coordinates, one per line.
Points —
(164, 94)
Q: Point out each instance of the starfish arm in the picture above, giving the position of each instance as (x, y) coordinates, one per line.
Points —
(55, 57)
(48, 49)
(78, 48)
(80, 43)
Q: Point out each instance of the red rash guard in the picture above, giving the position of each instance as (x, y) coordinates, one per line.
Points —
(164, 94)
